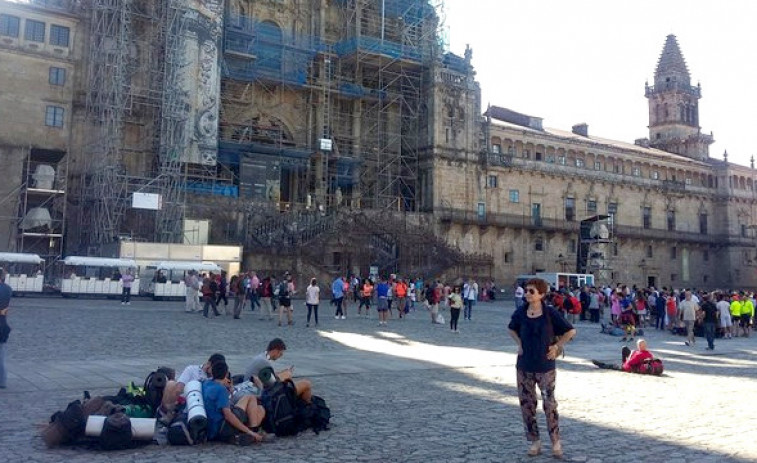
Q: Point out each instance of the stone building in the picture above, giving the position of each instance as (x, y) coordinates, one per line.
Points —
(680, 218)
(39, 62)
(337, 136)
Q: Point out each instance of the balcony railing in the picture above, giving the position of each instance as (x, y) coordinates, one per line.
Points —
(557, 225)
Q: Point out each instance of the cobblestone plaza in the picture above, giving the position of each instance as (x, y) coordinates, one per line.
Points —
(406, 392)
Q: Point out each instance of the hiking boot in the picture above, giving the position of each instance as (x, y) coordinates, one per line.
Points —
(535, 448)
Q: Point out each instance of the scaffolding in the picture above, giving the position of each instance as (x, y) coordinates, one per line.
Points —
(134, 114)
(338, 108)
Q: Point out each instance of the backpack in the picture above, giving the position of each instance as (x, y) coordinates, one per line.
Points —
(181, 432)
(116, 432)
(280, 403)
(650, 367)
(155, 384)
(314, 415)
(65, 426)
(283, 290)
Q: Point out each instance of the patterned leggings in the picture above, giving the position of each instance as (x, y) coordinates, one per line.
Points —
(527, 394)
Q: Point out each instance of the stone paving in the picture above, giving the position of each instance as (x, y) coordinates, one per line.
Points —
(407, 392)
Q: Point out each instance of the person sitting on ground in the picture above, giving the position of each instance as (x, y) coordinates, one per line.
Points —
(174, 389)
(227, 422)
(640, 361)
(261, 373)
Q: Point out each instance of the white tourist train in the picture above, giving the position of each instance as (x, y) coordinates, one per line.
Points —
(168, 277)
(96, 276)
(24, 272)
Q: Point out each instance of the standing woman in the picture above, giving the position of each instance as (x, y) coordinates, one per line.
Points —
(312, 298)
(455, 304)
(533, 328)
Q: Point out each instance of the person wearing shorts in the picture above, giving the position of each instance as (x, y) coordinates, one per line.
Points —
(725, 316)
(382, 291)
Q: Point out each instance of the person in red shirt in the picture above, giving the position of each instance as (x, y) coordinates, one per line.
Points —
(640, 361)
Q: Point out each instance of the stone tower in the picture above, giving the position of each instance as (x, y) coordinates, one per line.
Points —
(674, 107)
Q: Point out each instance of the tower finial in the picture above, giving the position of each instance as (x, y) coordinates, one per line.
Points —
(751, 162)
(725, 156)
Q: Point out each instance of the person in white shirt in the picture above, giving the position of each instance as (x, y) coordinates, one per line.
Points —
(519, 297)
(470, 295)
(174, 389)
(689, 310)
(312, 299)
(725, 315)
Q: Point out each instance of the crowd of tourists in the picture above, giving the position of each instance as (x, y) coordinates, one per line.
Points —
(691, 313)
(391, 297)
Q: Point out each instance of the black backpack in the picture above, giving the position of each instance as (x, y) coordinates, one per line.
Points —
(314, 415)
(283, 290)
(155, 384)
(116, 432)
(280, 403)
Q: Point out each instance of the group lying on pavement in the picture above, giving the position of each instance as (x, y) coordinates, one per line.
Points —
(205, 403)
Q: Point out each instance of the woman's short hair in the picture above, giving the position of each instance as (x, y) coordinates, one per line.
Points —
(539, 284)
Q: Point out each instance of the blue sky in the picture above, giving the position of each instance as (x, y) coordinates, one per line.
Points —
(572, 61)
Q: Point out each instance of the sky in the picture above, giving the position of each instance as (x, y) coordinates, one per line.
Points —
(572, 61)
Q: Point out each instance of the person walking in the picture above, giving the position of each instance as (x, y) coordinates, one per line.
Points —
(126, 280)
(689, 310)
(266, 298)
(594, 305)
(223, 286)
(192, 284)
(286, 291)
(209, 290)
(470, 295)
(312, 298)
(237, 291)
(337, 294)
(519, 293)
(5, 301)
(710, 320)
(382, 306)
(455, 304)
(725, 315)
(539, 332)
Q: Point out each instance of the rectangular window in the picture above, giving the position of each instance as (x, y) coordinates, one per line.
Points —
(703, 224)
(591, 207)
(673, 276)
(636, 171)
(615, 249)
(54, 116)
(674, 252)
(57, 76)
(538, 156)
(561, 160)
(492, 181)
(579, 162)
(646, 217)
(496, 149)
(687, 181)
(650, 253)
(570, 209)
(612, 210)
(597, 165)
(743, 231)
(481, 211)
(571, 246)
(551, 159)
(654, 175)
(526, 154)
(514, 196)
(9, 25)
(35, 31)
(59, 35)
(508, 257)
(671, 220)
(616, 168)
(538, 244)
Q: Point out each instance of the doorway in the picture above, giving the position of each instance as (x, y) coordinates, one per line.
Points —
(651, 282)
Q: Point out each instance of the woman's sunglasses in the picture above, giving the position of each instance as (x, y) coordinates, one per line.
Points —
(532, 291)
